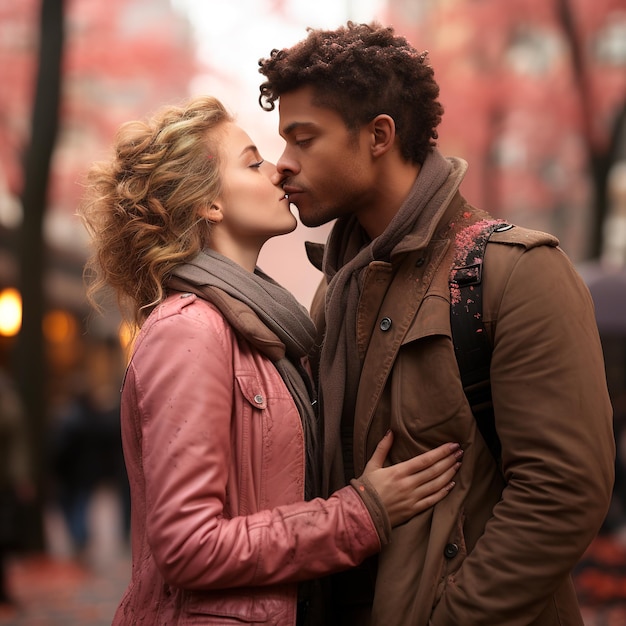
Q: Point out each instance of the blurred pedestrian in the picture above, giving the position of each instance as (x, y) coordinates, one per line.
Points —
(75, 465)
(87, 456)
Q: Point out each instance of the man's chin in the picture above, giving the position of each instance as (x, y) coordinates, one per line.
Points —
(311, 221)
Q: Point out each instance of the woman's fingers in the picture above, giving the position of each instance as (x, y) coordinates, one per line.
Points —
(412, 486)
(425, 474)
(425, 503)
(430, 458)
(379, 456)
(416, 493)
(424, 488)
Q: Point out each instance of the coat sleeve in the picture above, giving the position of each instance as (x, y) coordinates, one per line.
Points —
(182, 375)
(554, 419)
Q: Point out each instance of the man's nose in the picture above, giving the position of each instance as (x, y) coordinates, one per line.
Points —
(285, 167)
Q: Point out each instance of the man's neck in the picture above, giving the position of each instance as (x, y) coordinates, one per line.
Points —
(393, 184)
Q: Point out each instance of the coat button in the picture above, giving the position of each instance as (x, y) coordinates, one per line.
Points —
(385, 324)
(258, 398)
(451, 550)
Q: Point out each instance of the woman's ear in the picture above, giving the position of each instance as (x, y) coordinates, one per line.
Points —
(383, 133)
(212, 213)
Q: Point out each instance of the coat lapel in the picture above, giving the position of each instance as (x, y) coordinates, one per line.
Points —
(388, 305)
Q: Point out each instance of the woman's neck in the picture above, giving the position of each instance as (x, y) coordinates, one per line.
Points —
(247, 257)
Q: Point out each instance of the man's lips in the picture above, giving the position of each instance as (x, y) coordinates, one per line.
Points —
(290, 190)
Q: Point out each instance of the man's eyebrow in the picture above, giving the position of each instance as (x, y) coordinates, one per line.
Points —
(294, 125)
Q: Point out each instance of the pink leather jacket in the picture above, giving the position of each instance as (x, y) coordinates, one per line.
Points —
(214, 451)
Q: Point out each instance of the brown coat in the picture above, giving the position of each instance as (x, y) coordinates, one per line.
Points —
(499, 549)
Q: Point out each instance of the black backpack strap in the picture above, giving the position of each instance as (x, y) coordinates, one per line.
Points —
(472, 346)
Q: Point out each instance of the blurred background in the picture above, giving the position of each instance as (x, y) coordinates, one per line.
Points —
(535, 100)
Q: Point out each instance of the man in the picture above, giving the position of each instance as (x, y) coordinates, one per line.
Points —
(358, 112)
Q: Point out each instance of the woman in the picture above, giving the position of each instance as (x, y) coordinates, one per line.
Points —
(218, 425)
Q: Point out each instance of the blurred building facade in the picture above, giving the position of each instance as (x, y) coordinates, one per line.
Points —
(122, 59)
(535, 100)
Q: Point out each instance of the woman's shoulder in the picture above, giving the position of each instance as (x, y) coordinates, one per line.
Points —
(185, 305)
(180, 313)
(181, 327)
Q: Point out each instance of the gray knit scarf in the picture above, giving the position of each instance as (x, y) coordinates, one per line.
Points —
(347, 254)
(272, 320)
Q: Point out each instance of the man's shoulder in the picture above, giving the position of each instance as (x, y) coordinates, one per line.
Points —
(472, 223)
(511, 234)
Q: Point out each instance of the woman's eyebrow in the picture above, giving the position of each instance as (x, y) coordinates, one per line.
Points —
(250, 148)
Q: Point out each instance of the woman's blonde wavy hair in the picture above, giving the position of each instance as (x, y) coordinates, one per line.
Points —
(141, 207)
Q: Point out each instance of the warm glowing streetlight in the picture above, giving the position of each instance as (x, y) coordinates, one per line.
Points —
(59, 327)
(10, 312)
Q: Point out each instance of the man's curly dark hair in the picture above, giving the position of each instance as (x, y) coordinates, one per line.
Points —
(361, 71)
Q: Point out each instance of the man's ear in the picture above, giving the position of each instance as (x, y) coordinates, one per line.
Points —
(383, 130)
(212, 213)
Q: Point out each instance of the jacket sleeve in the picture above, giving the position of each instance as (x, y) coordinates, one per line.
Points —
(554, 419)
(182, 375)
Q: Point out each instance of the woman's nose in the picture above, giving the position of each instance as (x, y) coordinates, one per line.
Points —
(277, 178)
(272, 172)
